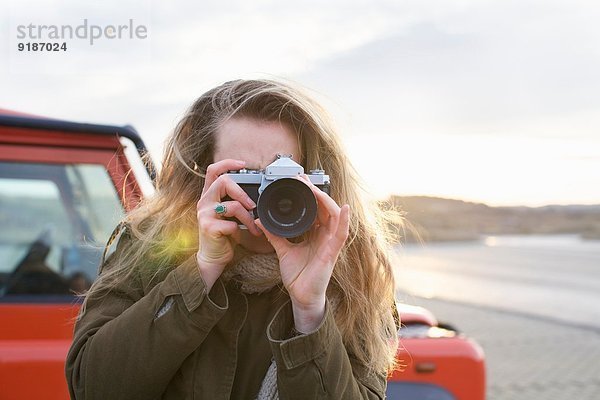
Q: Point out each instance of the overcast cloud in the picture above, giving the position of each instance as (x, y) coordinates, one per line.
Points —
(413, 72)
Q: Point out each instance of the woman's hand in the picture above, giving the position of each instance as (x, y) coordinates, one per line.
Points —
(306, 267)
(217, 236)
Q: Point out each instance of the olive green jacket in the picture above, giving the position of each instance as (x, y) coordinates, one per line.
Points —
(167, 338)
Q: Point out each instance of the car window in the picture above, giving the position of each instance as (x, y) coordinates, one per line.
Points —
(55, 222)
(416, 391)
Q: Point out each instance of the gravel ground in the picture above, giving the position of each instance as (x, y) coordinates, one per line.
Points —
(527, 356)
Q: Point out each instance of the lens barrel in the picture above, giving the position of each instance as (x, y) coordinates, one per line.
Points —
(287, 207)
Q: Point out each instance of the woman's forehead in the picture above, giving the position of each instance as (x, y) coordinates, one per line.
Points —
(256, 142)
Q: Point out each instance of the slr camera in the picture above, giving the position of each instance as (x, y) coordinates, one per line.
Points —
(285, 205)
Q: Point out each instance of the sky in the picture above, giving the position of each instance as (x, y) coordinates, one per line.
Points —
(487, 101)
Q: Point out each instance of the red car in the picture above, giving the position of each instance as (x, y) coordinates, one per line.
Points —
(63, 188)
(439, 363)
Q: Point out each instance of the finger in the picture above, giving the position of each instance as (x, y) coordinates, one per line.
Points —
(281, 245)
(235, 210)
(329, 202)
(338, 239)
(226, 228)
(224, 186)
(343, 228)
(217, 228)
(213, 171)
(322, 214)
(328, 210)
(327, 207)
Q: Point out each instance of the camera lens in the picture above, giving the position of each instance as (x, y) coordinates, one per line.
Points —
(287, 207)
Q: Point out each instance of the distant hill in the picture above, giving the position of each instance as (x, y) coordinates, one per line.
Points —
(439, 219)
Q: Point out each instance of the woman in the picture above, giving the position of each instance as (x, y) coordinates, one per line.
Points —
(190, 305)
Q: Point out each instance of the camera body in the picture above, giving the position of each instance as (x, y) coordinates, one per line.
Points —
(285, 205)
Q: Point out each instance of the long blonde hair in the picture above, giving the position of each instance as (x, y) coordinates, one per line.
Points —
(164, 227)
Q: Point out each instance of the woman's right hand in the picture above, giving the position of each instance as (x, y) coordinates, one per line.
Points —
(218, 236)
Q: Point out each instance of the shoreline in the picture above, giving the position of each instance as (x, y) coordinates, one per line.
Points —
(488, 239)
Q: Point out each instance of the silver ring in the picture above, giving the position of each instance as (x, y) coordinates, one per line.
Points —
(220, 209)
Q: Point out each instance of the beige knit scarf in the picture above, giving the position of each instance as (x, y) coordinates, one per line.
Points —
(256, 273)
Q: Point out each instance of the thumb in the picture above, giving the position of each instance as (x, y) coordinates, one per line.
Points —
(279, 244)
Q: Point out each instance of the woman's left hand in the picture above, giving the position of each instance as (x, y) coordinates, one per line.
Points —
(306, 267)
